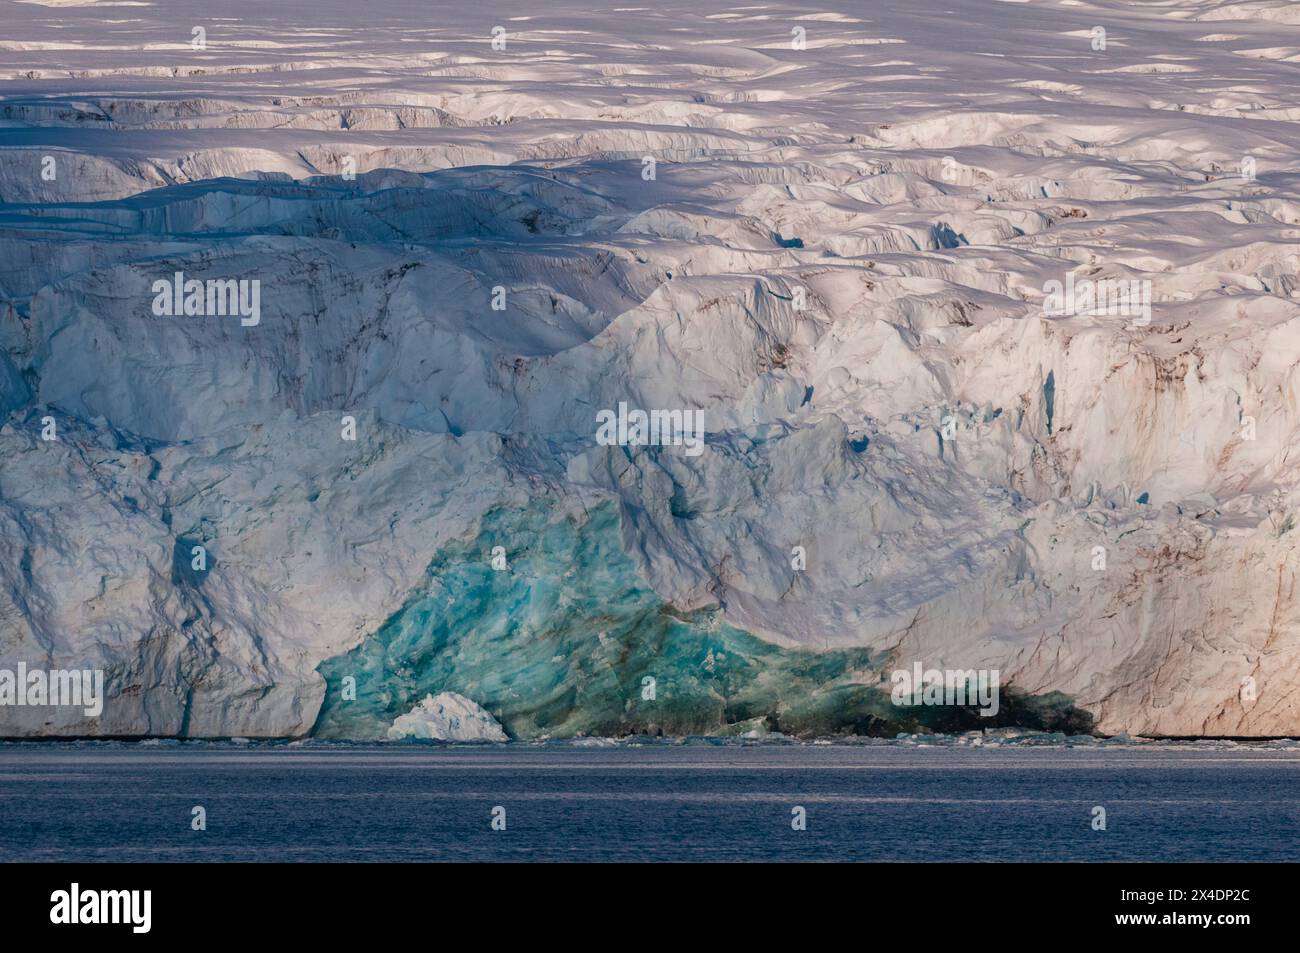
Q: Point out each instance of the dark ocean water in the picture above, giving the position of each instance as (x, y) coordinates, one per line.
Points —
(658, 802)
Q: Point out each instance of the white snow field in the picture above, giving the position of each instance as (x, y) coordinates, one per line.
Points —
(831, 228)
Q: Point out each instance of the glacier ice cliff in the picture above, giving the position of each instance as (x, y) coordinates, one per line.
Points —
(838, 254)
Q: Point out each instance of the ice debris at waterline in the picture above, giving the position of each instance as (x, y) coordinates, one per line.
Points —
(447, 717)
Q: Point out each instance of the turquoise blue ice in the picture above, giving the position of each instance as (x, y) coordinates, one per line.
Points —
(561, 644)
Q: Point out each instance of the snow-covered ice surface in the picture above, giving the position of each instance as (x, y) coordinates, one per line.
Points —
(840, 259)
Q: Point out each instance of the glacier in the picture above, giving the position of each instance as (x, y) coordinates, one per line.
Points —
(837, 255)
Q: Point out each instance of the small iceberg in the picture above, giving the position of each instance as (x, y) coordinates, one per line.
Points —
(447, 717)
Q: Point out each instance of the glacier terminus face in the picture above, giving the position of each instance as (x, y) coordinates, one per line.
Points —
(813, 369)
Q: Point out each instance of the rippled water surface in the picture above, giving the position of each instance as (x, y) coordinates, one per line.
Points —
(658, 802)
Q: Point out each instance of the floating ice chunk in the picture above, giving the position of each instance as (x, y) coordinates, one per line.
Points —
(447, 717)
